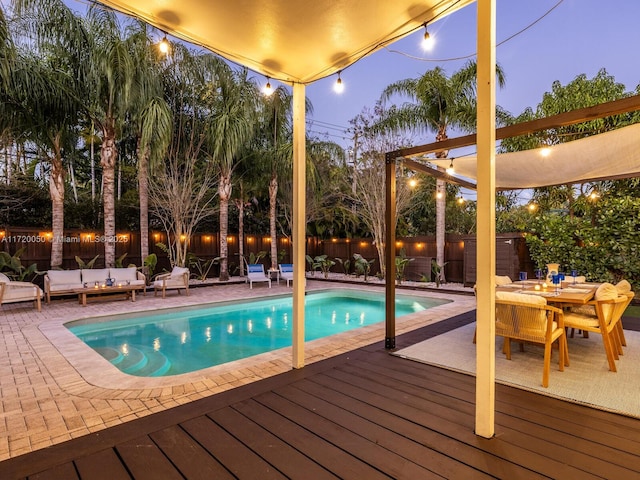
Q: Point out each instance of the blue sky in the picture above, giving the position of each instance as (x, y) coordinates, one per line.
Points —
(577, 37)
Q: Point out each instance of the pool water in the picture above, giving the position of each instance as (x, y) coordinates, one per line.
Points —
(180, 341)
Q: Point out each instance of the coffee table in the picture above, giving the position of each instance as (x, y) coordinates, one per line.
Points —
(128, 290)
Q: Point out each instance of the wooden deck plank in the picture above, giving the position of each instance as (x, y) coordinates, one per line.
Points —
(378, 457)
(193, 461)
(621, 451)
(144, 459)
(461, 453)
(388, 438)
(102, 465)
(341, 463)
(235, 456)
(456, 423)
(273, 450)
(65, 471)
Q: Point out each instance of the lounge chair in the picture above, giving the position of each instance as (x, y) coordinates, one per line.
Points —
(11, 292)
(286, 272)
(256, 273)
(177, 279)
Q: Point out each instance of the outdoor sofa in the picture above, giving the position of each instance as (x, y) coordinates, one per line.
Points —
(68, 282)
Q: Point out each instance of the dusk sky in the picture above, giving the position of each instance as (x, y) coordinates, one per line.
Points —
(577, 37)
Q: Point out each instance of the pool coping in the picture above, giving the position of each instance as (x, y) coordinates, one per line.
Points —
(99, 372)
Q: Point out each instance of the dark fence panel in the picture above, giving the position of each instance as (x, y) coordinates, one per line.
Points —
(460, 256)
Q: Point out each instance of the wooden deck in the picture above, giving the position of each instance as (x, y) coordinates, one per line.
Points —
(363, 415)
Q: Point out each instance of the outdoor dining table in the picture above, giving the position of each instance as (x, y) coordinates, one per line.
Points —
(577, 294)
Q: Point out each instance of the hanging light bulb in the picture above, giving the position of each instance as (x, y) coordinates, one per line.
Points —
(427, 40)
(338, 87)
(163, 46)
(450, 170)
(267, 89)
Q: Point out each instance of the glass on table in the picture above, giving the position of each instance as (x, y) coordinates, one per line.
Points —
(555, 279)
(574, 274)
(522, 276)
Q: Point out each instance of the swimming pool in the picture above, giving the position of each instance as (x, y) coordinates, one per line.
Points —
(180, 341)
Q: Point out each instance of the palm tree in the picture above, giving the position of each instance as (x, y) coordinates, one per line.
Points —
(276, 133)
(151, 120)
(44, 94)
(438, 103)
(112, 72)
(234, 107)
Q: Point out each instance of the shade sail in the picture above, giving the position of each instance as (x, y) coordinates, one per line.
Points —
(610, 155)
(290, 40)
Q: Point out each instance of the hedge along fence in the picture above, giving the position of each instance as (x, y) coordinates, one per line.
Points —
(86, 244)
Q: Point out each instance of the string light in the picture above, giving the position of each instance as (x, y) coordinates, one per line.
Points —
(338, 87)
(163, 46)
(267, 89)
(450, 170)
(545, 151)
(427, 39)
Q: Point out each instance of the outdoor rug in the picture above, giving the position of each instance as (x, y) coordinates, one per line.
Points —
(587, 380)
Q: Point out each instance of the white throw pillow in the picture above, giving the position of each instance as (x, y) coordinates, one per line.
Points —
(177, 272)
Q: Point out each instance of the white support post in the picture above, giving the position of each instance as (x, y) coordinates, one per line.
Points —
(299, 223)
(486, 243)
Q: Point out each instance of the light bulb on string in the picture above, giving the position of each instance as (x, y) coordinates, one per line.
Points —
(164, 46)
(267, 90)
(450, 170)
(338, 87)
(427, 39)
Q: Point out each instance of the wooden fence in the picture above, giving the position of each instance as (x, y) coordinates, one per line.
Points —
(459, 251)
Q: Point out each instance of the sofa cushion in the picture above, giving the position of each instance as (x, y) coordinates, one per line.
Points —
(92, 275)
(521, 298)
(502, 280)
(64, 277)
(4, 278)
(121, 275)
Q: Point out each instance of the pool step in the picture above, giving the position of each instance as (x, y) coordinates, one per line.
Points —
(139, 360)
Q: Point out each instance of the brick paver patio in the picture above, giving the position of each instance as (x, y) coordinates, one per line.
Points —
(53, 388)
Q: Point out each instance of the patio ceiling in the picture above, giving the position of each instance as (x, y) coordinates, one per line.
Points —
(292, 41)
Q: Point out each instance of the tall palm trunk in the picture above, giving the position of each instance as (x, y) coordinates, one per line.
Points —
(240, 206)
(224, 193)
(273, 194)
(143, 195)
(108, 156)
(56, 191)
(441, 206)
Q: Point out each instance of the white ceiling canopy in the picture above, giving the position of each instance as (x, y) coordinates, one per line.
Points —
(289, 40)
(606, 156)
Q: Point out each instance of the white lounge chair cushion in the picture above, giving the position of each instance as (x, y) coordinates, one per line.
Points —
(178, 272)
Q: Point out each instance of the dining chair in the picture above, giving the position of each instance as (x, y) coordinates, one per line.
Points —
(528, 319)
(608, 307)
